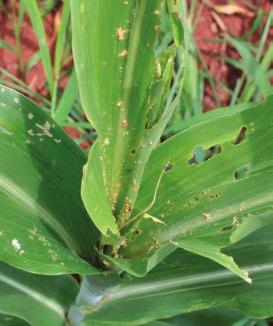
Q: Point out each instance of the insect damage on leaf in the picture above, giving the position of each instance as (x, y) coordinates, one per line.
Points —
(241, 172)
(154, 219)
(45, 129)
(30, 116)
(106, 141)
(119, 104)
(16, 100)
(120, 33)
(124, 123)
(241, 136)
(123, 54)
(200, 155)
(17, 246)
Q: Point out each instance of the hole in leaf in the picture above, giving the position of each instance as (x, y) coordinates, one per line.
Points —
(133, 151)
(215, 195)
(227, 228)
(200, 155)
(193, 201)
(168, 167)
(241, 172)
(137, 232)
(240, 137)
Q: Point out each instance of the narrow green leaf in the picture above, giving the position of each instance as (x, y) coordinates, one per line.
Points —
(34, 59)
(177, 28)
(264, 36)
(23, 89)
(48, 6)
(251, 67)
(67, 99)
(6, 45)
(31, 7)
(59, 52)
(39, 300)
(93, 173)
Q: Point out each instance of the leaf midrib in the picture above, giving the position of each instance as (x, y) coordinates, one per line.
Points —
(151, 288)
(44, 300)
(133, 50)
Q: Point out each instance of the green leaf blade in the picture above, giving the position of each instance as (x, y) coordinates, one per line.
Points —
(44, 226)
(204, 249)
(124, 61)
(184, 283)
(39, 300)
(207, 200)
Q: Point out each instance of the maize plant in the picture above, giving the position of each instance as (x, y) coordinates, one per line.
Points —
(150, 229)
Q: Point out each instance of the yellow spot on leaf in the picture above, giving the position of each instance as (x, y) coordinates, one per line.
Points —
(120, 33)
(106, 141)
(124, 123)
(123, 54)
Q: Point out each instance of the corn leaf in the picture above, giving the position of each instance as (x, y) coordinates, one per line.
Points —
(44, 227)
(215, 316)
(122, 94)
(36, 299)
(67, 99)
(216, 190)
(7, 320)
(181, 284)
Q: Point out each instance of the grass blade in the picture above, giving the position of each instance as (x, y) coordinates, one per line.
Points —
(31, 7)
(59, 52)
(68, 97)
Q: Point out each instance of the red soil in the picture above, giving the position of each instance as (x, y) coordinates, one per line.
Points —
(212, 25)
